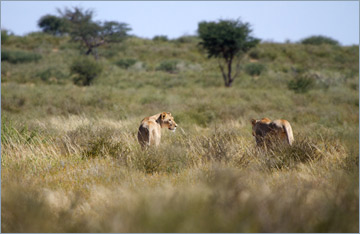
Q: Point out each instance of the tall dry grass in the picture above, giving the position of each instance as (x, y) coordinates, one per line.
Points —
(70, 161)
(92, 176)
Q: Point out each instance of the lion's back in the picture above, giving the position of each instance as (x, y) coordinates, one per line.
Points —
(143, 134)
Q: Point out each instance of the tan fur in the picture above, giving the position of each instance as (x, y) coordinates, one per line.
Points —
(264, 130)
(150, 128)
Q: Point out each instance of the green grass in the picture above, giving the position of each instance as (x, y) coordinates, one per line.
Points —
(71, 162)
(18, 56)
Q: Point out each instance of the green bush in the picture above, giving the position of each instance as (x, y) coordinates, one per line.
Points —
(298, 69)
(85, 70)
(301, 84)
(160, 38)
(318, 40)
(217, 147)
(202, 116)
(281, 155)
(108, 53)
(149, 162)
(51, 75)
(254, 53)
(162, 159)
(102, 146)
(187, 39)
(254, 69)
(36, 41)
(18, 56)
(269, 55)
(4, 36)
(168, 66)
(125, 63)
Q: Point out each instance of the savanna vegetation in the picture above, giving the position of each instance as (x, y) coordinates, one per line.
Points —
(70, 161)
(228, 41)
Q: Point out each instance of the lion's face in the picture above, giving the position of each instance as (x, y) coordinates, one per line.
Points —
(168, 121)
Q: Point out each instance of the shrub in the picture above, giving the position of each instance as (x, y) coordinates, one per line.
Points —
(36, 41)
(125, 63)
(168, 66)
(301, 84)
(4, 36)
(318, 40)
(217, 147)
(108, 53)
(254, 53)
(138, 66)
(95, 142)
(51, 75)
(18, 56)
(103, 146)
(284, 156)
(160, 38)
(162, 159)
(269, 55)
(296, 70)
(254, 69)
(201, 115)
(187, 39)
(149, 162)
(85, 70)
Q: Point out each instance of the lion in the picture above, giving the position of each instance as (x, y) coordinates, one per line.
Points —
(265, 130)
(150, 128)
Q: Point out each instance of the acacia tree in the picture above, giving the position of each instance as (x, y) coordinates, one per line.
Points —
(52, 24)
(89, 33)
(226, 40)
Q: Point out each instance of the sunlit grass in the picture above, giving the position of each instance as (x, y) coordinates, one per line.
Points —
(97, 176)
(71, 161)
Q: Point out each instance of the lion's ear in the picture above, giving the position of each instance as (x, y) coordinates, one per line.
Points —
(163, 115)
(253, 121)
(169, 113)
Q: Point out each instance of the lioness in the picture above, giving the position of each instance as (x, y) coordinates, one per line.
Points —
(264, 130)
(150, 128)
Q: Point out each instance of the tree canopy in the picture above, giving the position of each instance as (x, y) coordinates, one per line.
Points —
(79, 24)
(227, 40)
(52, 24)
(92, 34)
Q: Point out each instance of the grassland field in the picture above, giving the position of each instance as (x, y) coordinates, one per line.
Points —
(70, 160)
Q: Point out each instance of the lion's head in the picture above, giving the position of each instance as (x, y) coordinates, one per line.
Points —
(267, 131)
(260, 128)
(167, 121)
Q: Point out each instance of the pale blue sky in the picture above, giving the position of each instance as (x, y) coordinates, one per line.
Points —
(271, 21)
